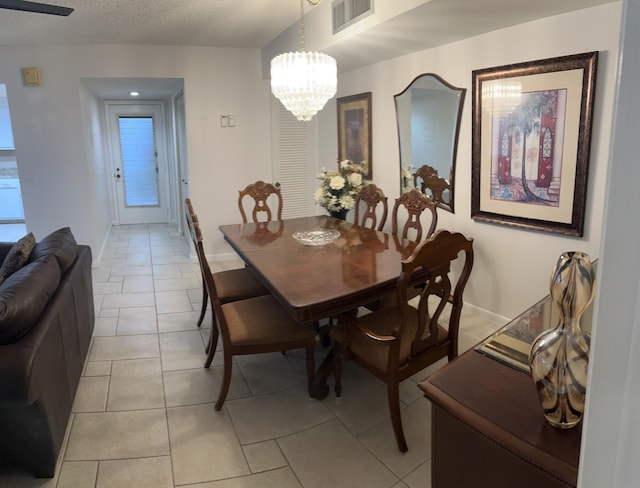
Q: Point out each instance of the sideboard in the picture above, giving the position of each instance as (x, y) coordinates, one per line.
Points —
(488, 428)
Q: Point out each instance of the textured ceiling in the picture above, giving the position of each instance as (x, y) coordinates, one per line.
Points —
(223, 23)
(255, 23)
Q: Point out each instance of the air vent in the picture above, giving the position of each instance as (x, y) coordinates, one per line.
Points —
(348, 12)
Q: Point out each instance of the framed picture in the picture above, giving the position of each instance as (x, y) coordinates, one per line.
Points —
(354, 131)
(531, 140)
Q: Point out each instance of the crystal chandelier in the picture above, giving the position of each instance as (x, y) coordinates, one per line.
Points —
(501, 96)
(303, 81)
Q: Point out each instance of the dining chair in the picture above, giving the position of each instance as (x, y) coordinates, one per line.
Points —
(370, 196)
(414, 203)
(411, 204)
(431, 183)
(251, 326)
(232, 284)
(397, 342)
(259, 192)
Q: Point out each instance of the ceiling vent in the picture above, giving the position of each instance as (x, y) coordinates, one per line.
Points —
(348, 12)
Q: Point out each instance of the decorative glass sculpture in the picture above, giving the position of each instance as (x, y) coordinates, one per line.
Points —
(559, 357)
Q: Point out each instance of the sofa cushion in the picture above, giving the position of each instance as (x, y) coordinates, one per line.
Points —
(24, 295)
(17, 257)
(61, 244)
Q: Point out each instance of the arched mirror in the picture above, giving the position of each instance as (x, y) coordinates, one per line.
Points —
(428, 112)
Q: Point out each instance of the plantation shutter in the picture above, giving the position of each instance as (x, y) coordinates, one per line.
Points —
(291, 166)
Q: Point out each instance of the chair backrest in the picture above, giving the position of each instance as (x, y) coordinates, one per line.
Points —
(189, 217)
(371, 195)
(431, 184)
(194, 230)
(259, 192)
(189, 205)
(433, 258)
(207, 277)
(415, 203)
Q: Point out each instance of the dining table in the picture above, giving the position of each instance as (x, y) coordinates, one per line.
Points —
(319, 280)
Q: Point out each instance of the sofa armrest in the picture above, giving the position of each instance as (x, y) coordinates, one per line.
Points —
(19, 360)
(51, 354)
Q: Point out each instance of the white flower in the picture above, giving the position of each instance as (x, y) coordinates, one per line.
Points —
(347, 201)
(339, 188)
(355, 179)
(337, 183)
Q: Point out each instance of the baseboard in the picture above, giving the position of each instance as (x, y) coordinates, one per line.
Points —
(494, 317)
(221, 257)
(104, 243)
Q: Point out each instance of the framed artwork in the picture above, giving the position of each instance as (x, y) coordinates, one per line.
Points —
(354, 131)
(531, 140)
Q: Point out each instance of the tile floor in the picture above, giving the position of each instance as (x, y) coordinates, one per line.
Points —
(144, 417)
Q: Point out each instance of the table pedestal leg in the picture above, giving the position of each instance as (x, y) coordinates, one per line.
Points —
(319, 388)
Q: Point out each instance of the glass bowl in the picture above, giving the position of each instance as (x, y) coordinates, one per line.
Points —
(318, 237)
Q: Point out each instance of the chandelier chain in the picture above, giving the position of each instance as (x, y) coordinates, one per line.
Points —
(313, 4)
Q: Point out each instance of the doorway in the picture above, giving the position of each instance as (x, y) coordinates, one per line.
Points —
(139, 162)
(11, 209)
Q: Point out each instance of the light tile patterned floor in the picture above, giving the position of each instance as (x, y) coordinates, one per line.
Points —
(144, 417)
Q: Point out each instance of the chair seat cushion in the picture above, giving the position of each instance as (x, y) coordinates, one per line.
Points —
(382, 322)
(237, 284)
(275, 326)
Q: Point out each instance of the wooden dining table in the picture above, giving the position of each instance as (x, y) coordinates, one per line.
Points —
(317, 282)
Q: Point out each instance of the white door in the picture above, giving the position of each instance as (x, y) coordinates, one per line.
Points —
(139, 162)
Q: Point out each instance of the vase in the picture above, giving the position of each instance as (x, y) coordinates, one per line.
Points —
(339, 214)
(559, 357)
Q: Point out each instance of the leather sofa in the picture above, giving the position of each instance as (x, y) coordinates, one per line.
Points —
(46, 324)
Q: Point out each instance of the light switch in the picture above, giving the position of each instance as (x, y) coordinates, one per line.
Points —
(227, 121)
(31, 76)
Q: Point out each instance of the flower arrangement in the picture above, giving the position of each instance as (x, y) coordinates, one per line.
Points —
(407, 175)
(339, 188)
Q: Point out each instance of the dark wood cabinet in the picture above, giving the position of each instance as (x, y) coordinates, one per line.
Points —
(488, 429)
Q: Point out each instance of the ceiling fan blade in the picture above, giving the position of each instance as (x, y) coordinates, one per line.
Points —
(41, 8)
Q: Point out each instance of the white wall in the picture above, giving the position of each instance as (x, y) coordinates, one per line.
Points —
(55, 177)
(60, 158)
(611, 430)
(98, 216)
(512, 266)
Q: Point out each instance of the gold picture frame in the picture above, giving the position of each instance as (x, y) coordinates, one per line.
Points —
(354, 131)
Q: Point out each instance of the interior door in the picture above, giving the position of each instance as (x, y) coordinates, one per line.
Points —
(139, 162)
(183, 170)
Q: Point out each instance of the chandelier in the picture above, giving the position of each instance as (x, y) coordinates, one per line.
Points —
(303, 81)
(501, 96)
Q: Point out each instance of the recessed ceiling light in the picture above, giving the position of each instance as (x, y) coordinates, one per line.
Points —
(134, 93)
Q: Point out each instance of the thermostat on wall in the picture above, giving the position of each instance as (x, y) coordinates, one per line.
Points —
(31, 76)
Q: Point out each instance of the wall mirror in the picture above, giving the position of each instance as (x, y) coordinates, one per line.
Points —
(428, 113)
